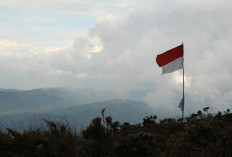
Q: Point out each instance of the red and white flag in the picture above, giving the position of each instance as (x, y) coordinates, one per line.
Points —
(171, 60)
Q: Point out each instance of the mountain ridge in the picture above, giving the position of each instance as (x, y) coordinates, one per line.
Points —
(19, 105)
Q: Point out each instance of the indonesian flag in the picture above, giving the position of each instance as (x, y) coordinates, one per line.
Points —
(171, 60)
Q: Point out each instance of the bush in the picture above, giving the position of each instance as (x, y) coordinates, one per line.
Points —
(201, 134)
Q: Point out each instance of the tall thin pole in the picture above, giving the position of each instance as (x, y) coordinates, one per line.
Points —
(183, 85)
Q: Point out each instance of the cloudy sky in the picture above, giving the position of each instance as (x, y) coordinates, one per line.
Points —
(112, 44)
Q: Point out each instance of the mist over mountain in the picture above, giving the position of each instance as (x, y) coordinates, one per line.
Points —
(36, 100)
(78, 106)
(14, 101)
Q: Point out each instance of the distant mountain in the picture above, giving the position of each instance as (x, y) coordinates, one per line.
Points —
(10, 90)
(77, 105)
(81, 115)
(14, 101)
(120, 110)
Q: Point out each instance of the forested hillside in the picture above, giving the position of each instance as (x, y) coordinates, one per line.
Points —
(201, 134)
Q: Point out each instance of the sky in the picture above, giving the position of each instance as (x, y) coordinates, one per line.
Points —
(112, 44)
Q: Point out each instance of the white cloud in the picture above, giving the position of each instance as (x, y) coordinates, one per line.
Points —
(81, 75)
(178, 78)
(129, 44)
(80, 7)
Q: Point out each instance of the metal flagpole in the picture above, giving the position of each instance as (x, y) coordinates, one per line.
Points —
(183, 85)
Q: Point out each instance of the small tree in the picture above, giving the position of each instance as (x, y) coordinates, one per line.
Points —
(95, 130)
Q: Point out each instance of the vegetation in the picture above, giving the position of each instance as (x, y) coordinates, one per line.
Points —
(201, 134)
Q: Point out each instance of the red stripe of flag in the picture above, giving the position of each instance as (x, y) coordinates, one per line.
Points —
(169, 56)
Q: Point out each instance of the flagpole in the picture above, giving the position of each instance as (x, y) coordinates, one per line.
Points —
(183, 84)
